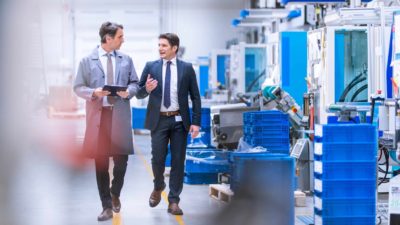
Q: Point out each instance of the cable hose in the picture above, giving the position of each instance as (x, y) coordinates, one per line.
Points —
(358, 92)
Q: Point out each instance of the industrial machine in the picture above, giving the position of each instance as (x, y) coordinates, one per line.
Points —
(227, 124)
(275, 97)
(247, 67)
(287, 62)
(219, 90)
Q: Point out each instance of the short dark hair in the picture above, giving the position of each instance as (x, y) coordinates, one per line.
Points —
(173, 39)
(108, 28)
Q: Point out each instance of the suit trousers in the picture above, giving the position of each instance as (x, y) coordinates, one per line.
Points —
(169, 131)
(102, 163)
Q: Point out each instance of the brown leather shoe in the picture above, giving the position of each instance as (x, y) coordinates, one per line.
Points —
(116, 203)
(174, 209)
(105, 215)
(155, 197)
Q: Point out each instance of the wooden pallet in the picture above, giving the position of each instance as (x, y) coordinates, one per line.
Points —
(221, 192)
(299, 199)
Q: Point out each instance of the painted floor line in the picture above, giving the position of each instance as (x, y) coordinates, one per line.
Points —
(163, 194)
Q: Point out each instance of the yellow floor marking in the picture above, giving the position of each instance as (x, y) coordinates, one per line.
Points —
(117, 219)
(163, 194)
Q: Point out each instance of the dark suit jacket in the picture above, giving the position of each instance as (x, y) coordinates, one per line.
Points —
(187, 86)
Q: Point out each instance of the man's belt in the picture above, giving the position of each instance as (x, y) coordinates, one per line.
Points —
(170, 113)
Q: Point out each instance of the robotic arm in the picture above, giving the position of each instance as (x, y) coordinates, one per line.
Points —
(275, 97)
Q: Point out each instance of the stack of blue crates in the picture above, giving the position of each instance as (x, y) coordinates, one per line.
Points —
(268, 129)
(204, 139)
(202, 166)
(345, 174)
(269, 178)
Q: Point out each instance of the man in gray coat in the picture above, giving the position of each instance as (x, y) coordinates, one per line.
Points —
(108, 118)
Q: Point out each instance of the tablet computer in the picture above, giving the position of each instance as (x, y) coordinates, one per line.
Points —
(114, 89)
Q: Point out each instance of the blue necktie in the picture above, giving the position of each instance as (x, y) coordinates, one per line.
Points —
(167, 88)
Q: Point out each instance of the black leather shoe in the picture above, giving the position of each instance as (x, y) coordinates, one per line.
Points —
(116, 203)
(155, 197)
(174, 209)
(105, 215)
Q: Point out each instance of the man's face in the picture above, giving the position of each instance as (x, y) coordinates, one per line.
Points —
(116, 42)
(165, 49)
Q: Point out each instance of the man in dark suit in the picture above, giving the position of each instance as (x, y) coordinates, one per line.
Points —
(169, 82)
(108, 118)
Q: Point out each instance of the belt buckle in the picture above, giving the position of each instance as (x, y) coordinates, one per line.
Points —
(168, 113)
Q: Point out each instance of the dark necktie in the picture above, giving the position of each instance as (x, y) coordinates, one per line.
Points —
(110, 77)
(167, 88)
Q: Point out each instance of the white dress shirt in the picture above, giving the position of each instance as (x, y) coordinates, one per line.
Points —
(103, 60)
(174, 86)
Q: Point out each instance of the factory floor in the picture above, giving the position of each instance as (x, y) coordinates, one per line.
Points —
(50, 184)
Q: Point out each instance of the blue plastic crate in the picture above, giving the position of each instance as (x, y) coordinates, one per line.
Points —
(258, 172)
(345, 133)
(239, 156)
(138, 117)
(345, 170)
(265, 117)
(237, 159)
(201, 178)
(168, 158)
(345, 207)
(279, 129)
(349, 220)
(269, 177)
(341, 151)
(361, 188)
(270, 135)
(207, 161)
(205, 117)
(201, 141)
(280, 145)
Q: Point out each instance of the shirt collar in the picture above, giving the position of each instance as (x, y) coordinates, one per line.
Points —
(102, 52)
(173, 61)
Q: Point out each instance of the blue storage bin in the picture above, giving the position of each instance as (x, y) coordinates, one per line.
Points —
(263, 170)
(349, 220)
(201, 141)
(266, 117)
(240, 156)
(345, 133)
(345, 207)
(201, 178)
(205, 117)
(207, 161)
(345, 170)
(270, 178)
(341, 151)
(268, 135)
(279, 129)
(138, 117)
(312, 1)
(362, 188)
(278, 145)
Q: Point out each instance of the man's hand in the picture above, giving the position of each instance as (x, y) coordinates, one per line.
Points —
(194, 130)
(98, 92)
(151, 84)
(123, 94)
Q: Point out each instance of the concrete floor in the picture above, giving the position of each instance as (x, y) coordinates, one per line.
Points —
(51, 185)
